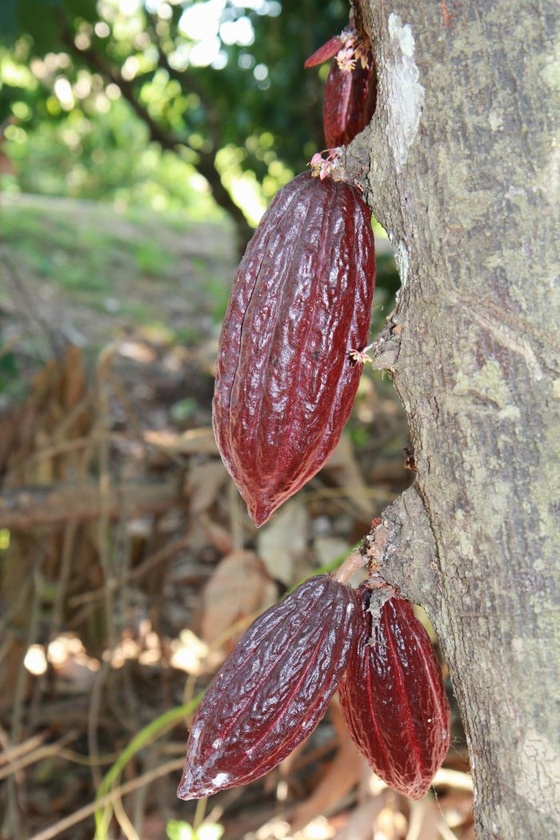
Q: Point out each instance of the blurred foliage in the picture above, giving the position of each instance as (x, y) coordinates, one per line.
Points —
(95, 256)
(220, 84)
(9, 366)
(178, 830)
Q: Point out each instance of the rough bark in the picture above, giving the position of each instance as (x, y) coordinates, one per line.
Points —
(464, 176)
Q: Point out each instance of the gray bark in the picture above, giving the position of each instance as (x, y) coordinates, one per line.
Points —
(464, 175)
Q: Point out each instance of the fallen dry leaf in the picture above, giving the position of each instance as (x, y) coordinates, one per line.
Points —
(204, 485)
(218, 536)
(342, 468)
(282, 544)
(360, 824)
(192, 442)
(239, 587)
(424, 820)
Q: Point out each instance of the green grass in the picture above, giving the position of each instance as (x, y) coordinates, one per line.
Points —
(55, 247)
(94, 252)
(150, 257)
(97, 273)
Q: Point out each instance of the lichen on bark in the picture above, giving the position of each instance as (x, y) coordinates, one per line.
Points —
(473, 212)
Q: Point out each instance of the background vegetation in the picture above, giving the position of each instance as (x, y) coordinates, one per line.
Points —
(140, 144)
(91, 85)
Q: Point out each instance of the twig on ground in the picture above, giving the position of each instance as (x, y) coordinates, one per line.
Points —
(117, 793)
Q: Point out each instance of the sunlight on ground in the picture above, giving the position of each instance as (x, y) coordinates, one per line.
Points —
(317, 829)
(67, 655)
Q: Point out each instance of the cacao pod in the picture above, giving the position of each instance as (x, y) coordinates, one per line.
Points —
(350, 90)
(301, 300)
(393, 699)
(273, 689)
(349, 101)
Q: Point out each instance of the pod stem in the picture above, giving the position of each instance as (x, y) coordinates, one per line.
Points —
(351, 565)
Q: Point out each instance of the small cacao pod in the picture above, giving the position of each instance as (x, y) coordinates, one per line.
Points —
(349, 101)
(301, 300)
(393, 699)
(273, 689)
(350, 90)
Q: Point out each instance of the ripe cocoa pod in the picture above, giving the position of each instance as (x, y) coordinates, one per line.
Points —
(273, 689)
(350, 90)
(301, 300)
(393, 699)
(349, 101)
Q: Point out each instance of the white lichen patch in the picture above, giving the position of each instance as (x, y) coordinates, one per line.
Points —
(549, 179)
(406, 94)
(402, 261)
(538, 773)
(488, 385)
(496, 120)
(551, 68)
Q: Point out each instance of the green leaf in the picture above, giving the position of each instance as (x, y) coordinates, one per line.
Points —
(177, 830)
(210, 831)
(146, 736)
(43, 20)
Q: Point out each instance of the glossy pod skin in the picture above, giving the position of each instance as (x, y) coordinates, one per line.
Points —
(349, 102)
(351, 86)
(328, 50)
(273, 689)
(393, 699)
(301, 300)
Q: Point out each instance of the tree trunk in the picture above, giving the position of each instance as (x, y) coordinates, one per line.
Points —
(464, 176)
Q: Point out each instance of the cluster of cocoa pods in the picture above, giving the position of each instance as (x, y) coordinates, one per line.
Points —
(276, 685)
(296, 323)
(299, 309)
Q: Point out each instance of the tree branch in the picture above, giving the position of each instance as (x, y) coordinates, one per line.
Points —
(206, 164)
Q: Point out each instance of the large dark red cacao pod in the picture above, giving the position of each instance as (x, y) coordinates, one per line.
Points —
(393, 699)
(349, 102)
(301, 300)
(273, 689)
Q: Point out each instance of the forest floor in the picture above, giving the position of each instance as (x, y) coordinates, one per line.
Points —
(128, 565)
